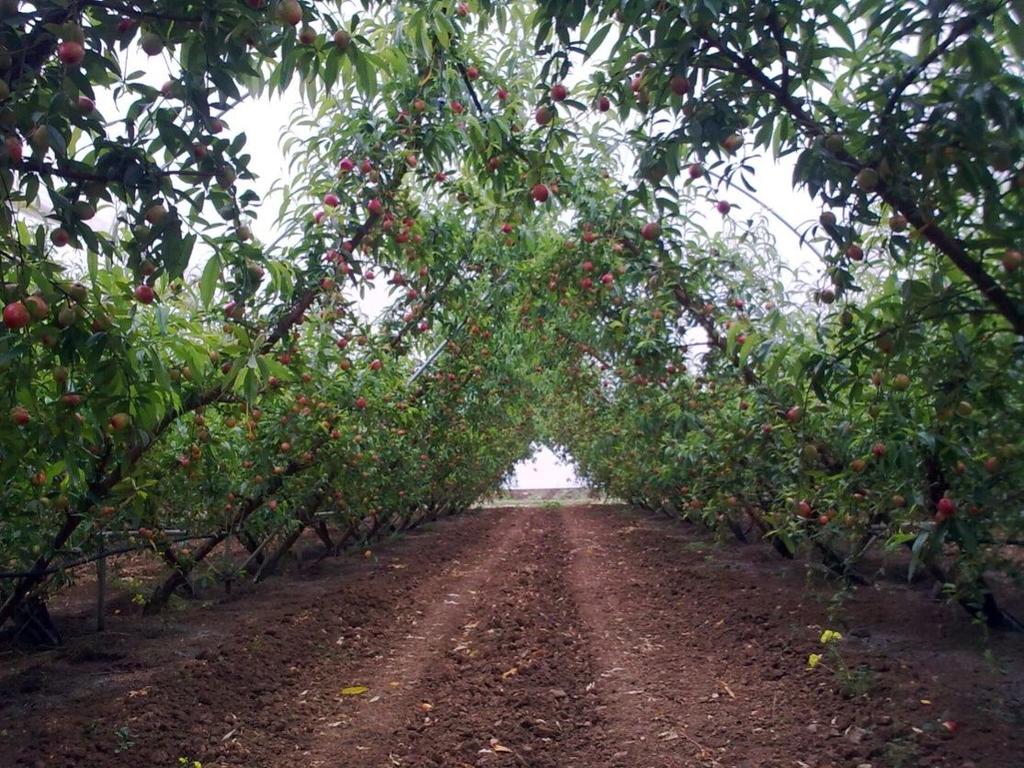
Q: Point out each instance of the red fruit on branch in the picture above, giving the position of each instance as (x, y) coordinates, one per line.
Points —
(900, 382)
(155, 214)
(539, 193)
(559, 92)
(331, 200)
(37, 307)
(793, 414)
(20, 416)
(361, 403)
(867, 179)
(650, 231)
(119, 422)
(71, 53)
(145, 294)
(603, 104)
(16, 316)
(945, 509)
(680, 85)
(543, 115)
(375, 207)
(14, 149)
(290, 12)
(732, 142)
(152, 44)
(472, 73)
(723, 207)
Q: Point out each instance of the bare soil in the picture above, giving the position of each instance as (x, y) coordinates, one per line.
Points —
(587, 636)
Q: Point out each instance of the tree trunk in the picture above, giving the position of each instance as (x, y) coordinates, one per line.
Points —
(270, 564)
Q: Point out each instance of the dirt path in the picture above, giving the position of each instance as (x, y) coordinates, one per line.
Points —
(530, 637)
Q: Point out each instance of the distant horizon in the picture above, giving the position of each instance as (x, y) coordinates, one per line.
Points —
(544, 471)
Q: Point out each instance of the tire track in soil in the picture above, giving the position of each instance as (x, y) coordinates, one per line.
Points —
(691, 679)
(362, 727)
(514, 688)
(703, 662)
(649, 691)
(332, 727)
(237, 703)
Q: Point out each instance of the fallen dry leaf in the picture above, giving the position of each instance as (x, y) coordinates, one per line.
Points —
(354, 690)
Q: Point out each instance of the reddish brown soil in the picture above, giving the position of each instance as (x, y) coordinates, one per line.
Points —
(586, 637)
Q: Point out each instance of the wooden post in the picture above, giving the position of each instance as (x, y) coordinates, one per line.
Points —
(101, 587)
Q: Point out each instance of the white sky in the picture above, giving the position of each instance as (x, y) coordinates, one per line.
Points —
(544, 470)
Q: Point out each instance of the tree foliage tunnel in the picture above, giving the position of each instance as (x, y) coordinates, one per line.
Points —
(563, 204)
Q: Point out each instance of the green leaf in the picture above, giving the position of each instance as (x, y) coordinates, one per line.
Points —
(595, 42)
(208, 282)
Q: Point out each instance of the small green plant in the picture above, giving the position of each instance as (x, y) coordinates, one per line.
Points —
(125, 739)
(852, 682)
(188, 762)
(134, 586)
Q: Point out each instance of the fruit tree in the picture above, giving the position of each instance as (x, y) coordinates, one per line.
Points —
(564, 202)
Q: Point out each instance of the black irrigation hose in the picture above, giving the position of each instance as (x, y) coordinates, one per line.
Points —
(92, 558)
